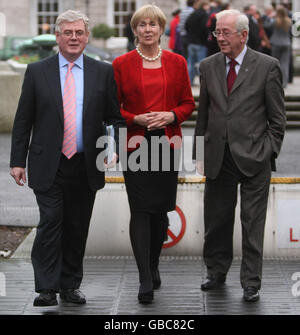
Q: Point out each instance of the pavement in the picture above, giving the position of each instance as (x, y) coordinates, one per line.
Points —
(110, 282)
(111, 287)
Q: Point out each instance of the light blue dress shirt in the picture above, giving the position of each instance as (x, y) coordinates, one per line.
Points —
(78, 77)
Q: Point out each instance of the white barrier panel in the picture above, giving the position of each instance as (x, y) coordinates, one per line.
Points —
(109, 231)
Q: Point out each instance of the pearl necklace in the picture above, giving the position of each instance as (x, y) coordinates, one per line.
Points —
(149, 59)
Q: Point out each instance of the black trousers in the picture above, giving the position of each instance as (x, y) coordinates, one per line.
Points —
(65, 212)
(220, 199)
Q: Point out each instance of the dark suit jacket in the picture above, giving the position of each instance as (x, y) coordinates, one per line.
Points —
(40, 114)
(252, 119)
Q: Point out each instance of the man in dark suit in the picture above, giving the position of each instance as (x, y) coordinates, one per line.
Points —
(254, 40)
(64, 101)
(242, 118)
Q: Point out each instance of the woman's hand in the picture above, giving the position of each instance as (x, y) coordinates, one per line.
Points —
(142, 119)
(159, 120)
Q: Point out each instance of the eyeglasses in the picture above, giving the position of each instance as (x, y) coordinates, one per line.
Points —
(69, 33)
(223, 33)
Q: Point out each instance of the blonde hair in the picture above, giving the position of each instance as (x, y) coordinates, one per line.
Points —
(71, 16)
(152, 12)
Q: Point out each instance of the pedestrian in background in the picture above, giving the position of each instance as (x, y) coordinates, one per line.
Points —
(254, 40)
(265, 45)
(174, 39)
(191, 5)
(281, 42)
(197, 36)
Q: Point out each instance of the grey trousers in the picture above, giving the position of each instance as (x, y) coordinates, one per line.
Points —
(282, 53)
(220, 199)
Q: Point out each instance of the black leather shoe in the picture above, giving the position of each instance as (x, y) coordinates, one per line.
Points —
(212, 283)
(74, 296)
(45, 298)
(156, 279)
(251, 294)
(145, 297)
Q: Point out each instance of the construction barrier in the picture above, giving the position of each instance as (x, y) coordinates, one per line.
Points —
(109, 231)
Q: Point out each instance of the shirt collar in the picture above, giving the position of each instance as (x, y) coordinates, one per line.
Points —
(239, 59)
(63, 62)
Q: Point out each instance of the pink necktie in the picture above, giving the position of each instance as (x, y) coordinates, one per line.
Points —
(231, 75)
(69, 101)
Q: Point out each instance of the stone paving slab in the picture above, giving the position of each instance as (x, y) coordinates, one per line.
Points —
(111, 283)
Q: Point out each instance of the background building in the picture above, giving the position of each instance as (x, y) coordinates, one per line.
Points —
(32, 17)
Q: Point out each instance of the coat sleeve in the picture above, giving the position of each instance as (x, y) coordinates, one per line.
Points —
(127, 115)
(186, 105)
(23, 122)
(202, 116)
(113, 116)
(274, 100)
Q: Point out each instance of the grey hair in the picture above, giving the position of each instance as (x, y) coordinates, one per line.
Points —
(71, 16)
(242, 22)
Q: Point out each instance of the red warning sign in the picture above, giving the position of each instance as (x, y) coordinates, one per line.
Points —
(177, 226)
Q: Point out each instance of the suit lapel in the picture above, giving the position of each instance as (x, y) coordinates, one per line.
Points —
(89, 75)
(244, 70)
(53, 80)
(220, 69)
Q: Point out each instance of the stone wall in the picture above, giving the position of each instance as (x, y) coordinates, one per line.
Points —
(10, 89)
(18, 17)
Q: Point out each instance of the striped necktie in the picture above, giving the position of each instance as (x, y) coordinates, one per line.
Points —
(69, 102)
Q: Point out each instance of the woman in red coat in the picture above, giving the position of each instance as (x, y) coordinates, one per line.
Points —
(155, 97)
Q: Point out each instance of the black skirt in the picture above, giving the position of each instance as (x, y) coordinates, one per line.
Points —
(153, 191)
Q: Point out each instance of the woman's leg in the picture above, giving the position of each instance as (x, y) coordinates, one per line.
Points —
(140, 235)
(159, 226)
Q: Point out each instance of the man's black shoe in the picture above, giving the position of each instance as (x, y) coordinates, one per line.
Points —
(212, 283)
(251, 294)
(45, 298)
(74, 296)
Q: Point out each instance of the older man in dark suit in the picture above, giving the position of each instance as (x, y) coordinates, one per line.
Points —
(242, 118)
(64, 101)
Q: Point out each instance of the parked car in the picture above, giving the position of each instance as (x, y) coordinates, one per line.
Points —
(104, 55)
(11, 46)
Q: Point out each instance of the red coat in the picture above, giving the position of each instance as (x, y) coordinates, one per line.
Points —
(173, 25)
(177, 96)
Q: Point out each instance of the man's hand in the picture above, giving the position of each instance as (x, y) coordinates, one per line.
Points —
(200, 167)
(112, 163)
(159, 120)
(19, 174)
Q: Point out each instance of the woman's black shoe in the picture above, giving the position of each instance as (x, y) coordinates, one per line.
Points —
(146, 297)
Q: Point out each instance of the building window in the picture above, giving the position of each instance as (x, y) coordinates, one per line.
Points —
(123, 9)
(47, 12)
